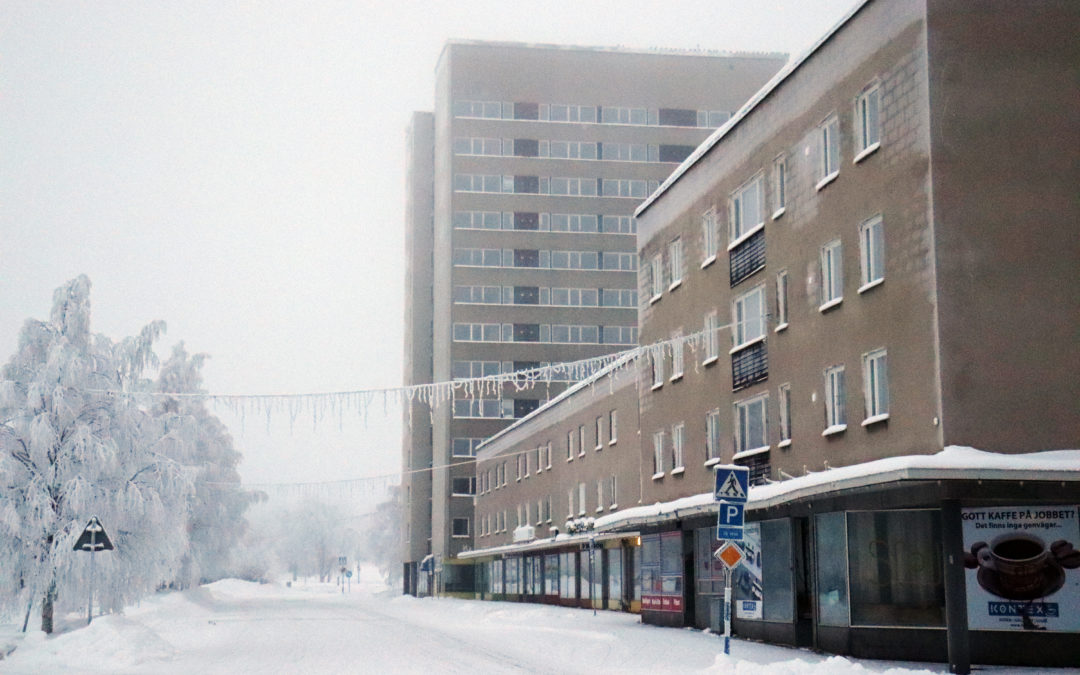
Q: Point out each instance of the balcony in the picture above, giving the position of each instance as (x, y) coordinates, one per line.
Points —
(749, 366)
(747, 257)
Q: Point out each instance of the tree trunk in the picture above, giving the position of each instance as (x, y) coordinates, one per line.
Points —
(47, 608)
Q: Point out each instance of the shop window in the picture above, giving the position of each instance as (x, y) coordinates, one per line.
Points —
(832, 587)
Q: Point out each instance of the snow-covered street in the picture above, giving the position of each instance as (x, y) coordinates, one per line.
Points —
(240, 627)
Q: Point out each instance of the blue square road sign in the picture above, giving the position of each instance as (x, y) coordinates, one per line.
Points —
(732, 483)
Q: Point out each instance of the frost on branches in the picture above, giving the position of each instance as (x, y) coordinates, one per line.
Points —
(71, 447)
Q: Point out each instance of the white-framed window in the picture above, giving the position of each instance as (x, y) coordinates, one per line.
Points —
(711, 337)
(547, 508)
(779, 186)
(525, 456)
(599, 432)
(581, 499)
(658, 454)
(747, 214)
(657, 359)
(875, 386)
(570, 446)
(619, 335)
(504, 474)
(676, 355)
(625, 187)
(657, 267)
(460, 527)
(613, 501)
(581, 440)
(835, 398)
(477, 146)
(750, 424)
(712, 435)
(570, 503)
(781, 300)
(785, 415)
(618, 225)
(868, 121)
(678, 437)
(465, 447)
(748, 317)
(547, 451)
(828, 150)
(520, 468)
(478, 220)
(872, 252)
(832, 275)
(539, 511)
(599, 494)
(708, 236)
(613, 426)
(463, 486)
(675, 261)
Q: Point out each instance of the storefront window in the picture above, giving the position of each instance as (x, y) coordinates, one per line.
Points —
(551, 575)
(497, 576)
(512, 575)
(896, 568)
(567, 572)
(778, 595)
(598, 574)
(615, 576)
(661, 572)
(831, 544)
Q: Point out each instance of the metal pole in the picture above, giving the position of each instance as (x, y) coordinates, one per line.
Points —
(90, 600)
(727, 613)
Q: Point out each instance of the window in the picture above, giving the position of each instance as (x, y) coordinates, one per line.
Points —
(624, 262)
(569, 222)
(581, 440)
(835, 413)
(620, 335)
(581, 499)
(781, 301)
(478, 146)
(547, 452)
(785, 415)
(875, 386)
(712, 436)
(618, 225)
(461, 527)
(463, 486)
(829, 151)
(867, 121)
(466, 447)
(750, 424)
(779, 186)
(618, 297)
(708, 236)
(613, 425)
(657, 268)
(599, 494)
(748, 317)
(712, 339)
(477, 220)
(746, 211)
(872, 253)
(570, 446)
(556, 112)
(657, 358)
(599, 433)
(832, 275)
(525, 457)
(677, 437)
(623, 115)
(658, 454)
(675, 261)
(570, 504)
(676, 355)
(613, 502)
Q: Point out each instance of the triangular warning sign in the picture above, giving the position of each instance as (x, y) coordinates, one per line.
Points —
(732, 488)
(93, 538)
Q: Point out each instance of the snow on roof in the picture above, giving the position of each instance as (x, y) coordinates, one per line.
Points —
(954, 462)
(549, 542)
(670, 51)
(746, 109)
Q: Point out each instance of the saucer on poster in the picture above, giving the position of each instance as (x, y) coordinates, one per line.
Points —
(1053, 580)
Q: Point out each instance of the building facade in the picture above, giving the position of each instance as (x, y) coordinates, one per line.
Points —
(522, 248)
(838, 290)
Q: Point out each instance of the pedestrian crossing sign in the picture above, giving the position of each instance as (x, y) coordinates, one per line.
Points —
(732, 483)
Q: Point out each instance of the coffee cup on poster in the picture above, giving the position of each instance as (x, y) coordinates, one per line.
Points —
(1018, 560)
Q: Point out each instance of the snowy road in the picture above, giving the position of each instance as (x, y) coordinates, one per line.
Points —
(238, 627)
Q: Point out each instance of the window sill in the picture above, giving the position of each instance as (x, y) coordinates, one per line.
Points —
(709, 361)
(678, 471)
(612, 507)
(870, 149)
(751, 452)
(834, 429)
(599, 509)
(826, 180)
(676, 378)
(830, 304)
(712, 462)
(612, 441)
(875, 419)
(746, 235)
(778, 212)
(599, 447)
(581, 454)
(654, 299)
(656, 386)
(786, 443)
(658, 476)
(708, 261)
(459, 536)
(461, 494)
(569, 459)
(780, 327)
(674, 285)
(748, 343)
(871, 284)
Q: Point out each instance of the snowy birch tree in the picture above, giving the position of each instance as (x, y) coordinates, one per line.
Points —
(71, 448)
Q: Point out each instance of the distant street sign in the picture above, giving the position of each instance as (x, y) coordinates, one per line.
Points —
(730, 554)
(732, 483)
(93, 538)
(348, 574)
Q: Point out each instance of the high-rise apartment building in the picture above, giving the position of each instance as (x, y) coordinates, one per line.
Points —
(521, 239)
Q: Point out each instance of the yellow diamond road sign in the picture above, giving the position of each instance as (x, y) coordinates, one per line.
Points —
(730, 554)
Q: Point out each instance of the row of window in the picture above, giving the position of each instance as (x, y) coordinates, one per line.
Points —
(554, 185)
(560, 112)
(577, 506)
(544, 222)
(543, 332)
(463, 370)
(553, 149)
(612, 261)
(541, 295)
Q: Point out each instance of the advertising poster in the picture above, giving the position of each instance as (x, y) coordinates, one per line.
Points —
(747, 580)
(1022, 568)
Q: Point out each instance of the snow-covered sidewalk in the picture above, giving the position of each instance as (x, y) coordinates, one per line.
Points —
(239, 627)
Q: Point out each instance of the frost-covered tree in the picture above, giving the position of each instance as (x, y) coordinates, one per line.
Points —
(383, 537)
(216, 516)
(70, 448)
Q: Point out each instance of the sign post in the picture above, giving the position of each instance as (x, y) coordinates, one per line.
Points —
(732, 486)
(93, 539)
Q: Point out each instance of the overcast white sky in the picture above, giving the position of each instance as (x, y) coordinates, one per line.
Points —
(237, 169)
